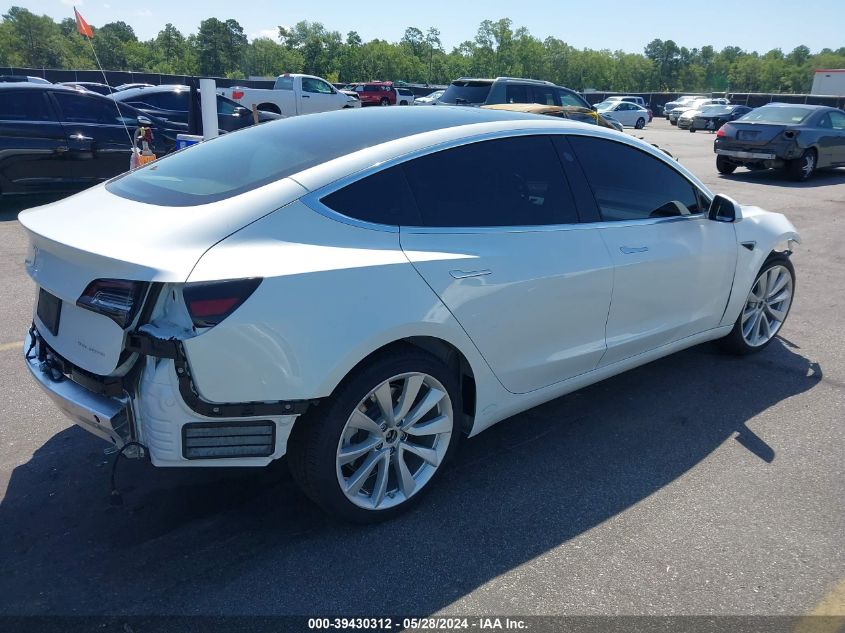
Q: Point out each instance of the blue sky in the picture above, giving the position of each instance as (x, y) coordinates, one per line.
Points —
(613, 24)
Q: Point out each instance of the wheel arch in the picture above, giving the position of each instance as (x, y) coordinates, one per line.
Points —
(269, 107)
(768, 234)
(444, 350)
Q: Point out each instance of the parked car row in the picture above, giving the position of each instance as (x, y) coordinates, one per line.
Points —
(55, 138)
(173, 103)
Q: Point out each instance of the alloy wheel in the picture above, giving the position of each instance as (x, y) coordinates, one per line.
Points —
(394, 441)
(808, 164)
(766, 306)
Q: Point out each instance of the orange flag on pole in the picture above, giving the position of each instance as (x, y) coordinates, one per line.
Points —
(82, 26)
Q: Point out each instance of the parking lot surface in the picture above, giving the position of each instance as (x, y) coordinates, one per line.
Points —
(698, 484)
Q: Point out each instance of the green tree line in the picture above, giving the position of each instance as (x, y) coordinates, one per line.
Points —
(220, 48)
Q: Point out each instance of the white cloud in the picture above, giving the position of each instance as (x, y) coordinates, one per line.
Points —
(273, 34)
(106, 6)
(70, 3)
(144, 13)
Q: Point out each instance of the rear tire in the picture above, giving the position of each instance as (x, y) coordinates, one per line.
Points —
(692, 130)
(800, 169)
(765, 309)
(384, 102)
(724, 166)
(358, 463)
(640, 124)
(673, 122)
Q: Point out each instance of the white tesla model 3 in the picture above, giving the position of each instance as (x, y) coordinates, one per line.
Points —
(359, 289)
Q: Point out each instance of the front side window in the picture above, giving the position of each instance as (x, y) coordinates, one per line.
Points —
(84, 109)
(629, 184)
(568, 98)
(309, 84)
(515, 181)
(176, 100)
(837, 120)
(224, 106)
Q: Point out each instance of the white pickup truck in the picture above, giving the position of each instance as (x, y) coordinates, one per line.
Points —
(293, 94)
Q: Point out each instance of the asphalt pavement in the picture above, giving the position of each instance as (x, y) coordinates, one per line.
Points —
(700, 484)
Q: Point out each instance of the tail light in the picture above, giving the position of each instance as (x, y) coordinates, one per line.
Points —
(118, 299)
(721, 132)
(237, 95)
(210, 302)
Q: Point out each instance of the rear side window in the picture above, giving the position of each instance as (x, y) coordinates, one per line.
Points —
(505, 182)
(24, 105)
(383, 198)
(631, 185)
(544, 94)
(283, 83)
(467, 92)
(516, 93)
(175, 101)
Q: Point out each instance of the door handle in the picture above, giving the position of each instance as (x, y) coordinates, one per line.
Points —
(61, 149)
(305, 97)
(628, 250)
(463, 274)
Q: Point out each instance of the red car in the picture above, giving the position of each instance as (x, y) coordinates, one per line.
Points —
(379, 93)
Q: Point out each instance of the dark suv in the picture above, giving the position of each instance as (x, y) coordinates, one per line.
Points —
(478, 92)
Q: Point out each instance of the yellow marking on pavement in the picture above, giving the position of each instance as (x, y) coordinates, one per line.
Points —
(828, 616)
(5, 347)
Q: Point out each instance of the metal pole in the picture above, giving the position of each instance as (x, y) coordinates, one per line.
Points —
(208, 106)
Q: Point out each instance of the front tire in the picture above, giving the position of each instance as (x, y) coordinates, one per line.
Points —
(384, 102)
(800, 169)
(765, 309)
(369, 451)
(724, 166)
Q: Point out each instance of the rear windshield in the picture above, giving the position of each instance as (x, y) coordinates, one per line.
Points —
(466, 92)
(777, 114)
(283, 83)
(255, 156)
(716, 109)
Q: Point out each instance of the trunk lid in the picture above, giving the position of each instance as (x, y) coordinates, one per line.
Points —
(99, 235)
(753, 134)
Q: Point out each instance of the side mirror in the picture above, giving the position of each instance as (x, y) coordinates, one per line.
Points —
(594, 108)
(144, 121)
(724, 209)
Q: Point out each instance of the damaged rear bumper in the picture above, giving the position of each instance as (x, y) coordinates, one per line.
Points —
(105, 416)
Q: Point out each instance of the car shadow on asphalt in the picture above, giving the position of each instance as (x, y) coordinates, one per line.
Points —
(10, 206)
(778, 178)
(241, 541)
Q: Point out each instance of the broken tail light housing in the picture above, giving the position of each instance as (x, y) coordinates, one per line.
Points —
(210, 302)
(117, 299)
